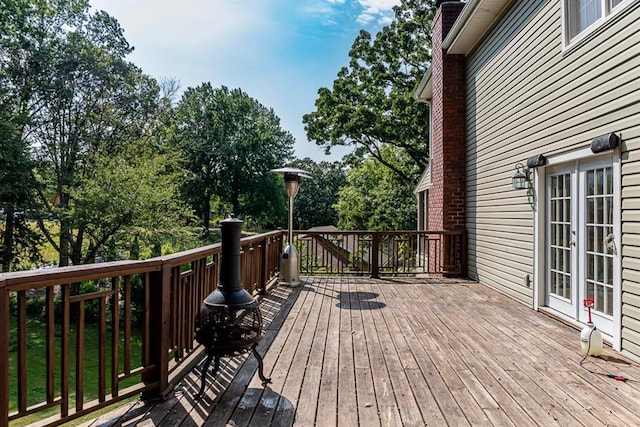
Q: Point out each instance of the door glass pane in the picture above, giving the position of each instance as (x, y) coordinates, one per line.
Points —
(599, 299)
(600, 240)
(590, 183)
(609, 301)
(560, 236)
(590, 211)
(600, 181)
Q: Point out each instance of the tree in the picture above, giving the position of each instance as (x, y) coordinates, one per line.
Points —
(314, 204)
(18, 239)
(371, 102)
(131, 199)
(84, 106)
(375, 198)
(229, 143)
(95, 103)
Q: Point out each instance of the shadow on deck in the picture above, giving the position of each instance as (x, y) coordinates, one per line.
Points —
(402, 352)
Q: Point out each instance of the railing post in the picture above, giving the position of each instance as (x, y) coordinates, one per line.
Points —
(159, 318)
(4, 354)
(375, 248)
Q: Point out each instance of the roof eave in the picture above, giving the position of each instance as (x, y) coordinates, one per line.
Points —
(475, 20)
(424, 92)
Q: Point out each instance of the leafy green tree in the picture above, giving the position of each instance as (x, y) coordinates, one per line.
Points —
(129, 200)
(314, 204)
(229, 143)
(375, 198)
(18, 241)
(84, 107)
(371, 102)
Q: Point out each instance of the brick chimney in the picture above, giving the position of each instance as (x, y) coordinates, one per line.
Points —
(447, 192)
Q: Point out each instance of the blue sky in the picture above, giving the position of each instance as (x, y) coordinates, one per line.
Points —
(280, 52)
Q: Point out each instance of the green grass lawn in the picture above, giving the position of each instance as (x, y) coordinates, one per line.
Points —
(36, 366)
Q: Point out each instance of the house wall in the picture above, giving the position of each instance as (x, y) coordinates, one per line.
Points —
(525, 96)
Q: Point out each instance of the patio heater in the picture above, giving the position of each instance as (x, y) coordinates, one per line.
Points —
(289, 265)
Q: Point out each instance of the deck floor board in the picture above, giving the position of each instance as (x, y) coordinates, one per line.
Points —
(349, 351)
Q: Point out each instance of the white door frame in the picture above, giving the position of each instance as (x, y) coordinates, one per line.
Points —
(540, 233)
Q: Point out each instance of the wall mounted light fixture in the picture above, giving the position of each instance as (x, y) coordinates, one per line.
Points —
(520, 178)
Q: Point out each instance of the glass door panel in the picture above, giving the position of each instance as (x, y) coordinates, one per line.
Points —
(600, 248)
(561, 295)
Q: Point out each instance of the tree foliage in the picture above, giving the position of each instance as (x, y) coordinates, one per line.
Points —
(229, 143)
(314, 204)
(375, 198)
(18, 240)
(371, 102)
(83, 108)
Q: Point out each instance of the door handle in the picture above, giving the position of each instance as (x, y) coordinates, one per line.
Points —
(609, 242)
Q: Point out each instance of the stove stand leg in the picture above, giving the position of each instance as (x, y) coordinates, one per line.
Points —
(204, 375)
(264, 379)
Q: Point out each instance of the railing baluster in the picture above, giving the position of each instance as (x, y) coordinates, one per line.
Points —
(115, 338)
(146, 321)
(64, 350)
(22, 351)
(102, 350)
(50, 343)
(127, 324)
(80, 356)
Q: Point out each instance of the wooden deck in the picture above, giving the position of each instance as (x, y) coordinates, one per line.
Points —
(403, 352)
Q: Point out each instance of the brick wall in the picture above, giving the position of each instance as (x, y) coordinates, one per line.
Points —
(447, 192)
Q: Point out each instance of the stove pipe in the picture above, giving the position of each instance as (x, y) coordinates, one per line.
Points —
(230, 292)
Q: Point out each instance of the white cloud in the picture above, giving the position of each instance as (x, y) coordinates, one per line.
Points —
(372, 12)
(379, 11)
(189, 23)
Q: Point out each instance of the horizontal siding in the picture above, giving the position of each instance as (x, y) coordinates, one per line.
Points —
(631, 242)
(500, 220)
(525, 96)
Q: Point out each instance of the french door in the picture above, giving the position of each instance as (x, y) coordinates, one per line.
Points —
(582, 246)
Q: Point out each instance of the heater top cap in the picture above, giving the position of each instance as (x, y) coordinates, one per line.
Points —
(292, 171)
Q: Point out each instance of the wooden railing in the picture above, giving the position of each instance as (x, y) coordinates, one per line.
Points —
(76, 339)
(138, 315)
(375, 253)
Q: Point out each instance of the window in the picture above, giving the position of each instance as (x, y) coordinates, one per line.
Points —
(583, 14)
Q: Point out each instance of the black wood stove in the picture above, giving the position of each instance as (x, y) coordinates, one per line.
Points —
(229, 322)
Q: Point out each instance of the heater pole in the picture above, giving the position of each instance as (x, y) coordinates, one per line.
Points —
(290, 237)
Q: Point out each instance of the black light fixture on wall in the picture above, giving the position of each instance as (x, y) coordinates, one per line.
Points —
(520, 179)
(605, 143)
